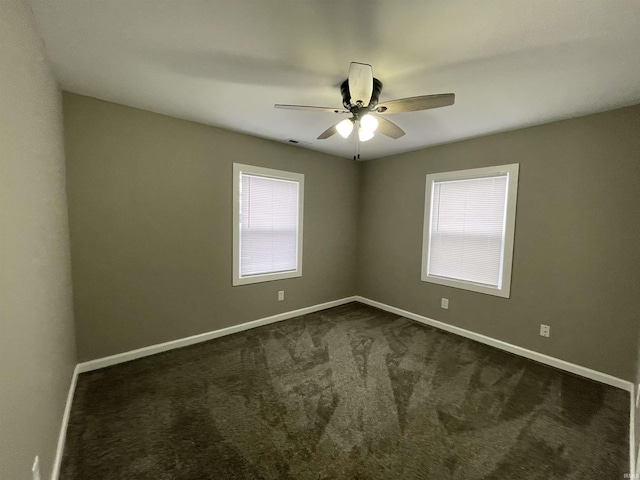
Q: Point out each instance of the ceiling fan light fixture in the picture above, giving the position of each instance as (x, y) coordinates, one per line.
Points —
(369, 123)
(360, 94)
(364, 134)
(345, 127)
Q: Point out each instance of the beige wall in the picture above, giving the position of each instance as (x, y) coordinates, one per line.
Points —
(37, 349)
(150, 207)
(150, 213)
(577, 240)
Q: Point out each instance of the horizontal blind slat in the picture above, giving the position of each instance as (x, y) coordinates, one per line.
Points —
(268, 225)
(467, 229)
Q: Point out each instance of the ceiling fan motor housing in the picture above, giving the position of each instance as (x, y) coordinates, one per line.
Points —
(346, 94)
(367, 91)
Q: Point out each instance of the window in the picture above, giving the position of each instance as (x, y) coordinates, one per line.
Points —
(469, 222)
(267, 224)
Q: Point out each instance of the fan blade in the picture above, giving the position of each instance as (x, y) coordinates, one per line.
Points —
(412, 104)
(360, 83)
(389, 129)
(328, 132)
(312, 109)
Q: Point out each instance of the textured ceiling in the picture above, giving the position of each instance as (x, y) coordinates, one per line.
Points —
(511, 63)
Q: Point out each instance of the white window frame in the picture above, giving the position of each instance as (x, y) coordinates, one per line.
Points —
(504, 290)
(239, 169)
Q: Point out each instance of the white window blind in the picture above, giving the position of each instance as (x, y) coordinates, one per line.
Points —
(468, 229)
(268, 225)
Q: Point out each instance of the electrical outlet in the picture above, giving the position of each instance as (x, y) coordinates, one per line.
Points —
(281, 295)
(36, 468)
(545, 330)
(444, 303)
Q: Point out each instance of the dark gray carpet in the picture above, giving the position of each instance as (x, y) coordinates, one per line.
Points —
(347, 393)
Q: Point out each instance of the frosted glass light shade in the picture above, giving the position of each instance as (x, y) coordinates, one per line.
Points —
(365, 135)
(369, 123)
(345, 127)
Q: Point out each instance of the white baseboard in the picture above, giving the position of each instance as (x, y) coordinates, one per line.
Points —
(633, 467)
(57, 462)
(508, 347)
(539, 357)
(203, 337)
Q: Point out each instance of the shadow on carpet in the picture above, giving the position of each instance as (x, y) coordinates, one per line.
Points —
(351, 392)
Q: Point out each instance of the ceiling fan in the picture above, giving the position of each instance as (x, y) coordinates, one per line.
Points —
(360, 93)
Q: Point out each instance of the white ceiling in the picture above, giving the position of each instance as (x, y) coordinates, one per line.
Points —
(511, 63)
